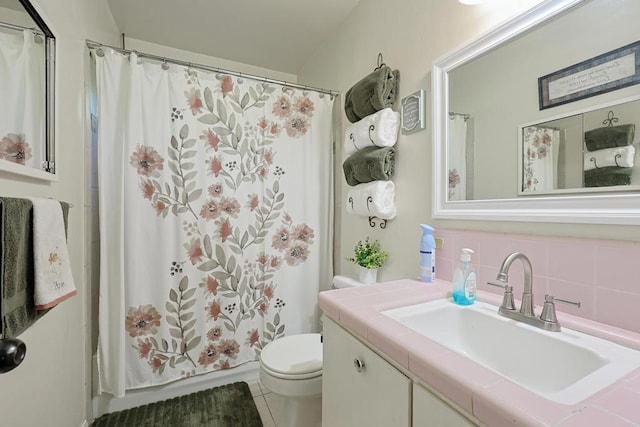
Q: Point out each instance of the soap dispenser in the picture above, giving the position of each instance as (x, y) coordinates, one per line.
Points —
(464, 280)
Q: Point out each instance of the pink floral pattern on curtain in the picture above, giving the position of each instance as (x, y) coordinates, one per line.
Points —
(221, 229)
(538, 169)
(15, 149)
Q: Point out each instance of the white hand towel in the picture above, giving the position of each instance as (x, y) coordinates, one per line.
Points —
(52, 268)
(379, 129)
(617, 156)
(375, 198)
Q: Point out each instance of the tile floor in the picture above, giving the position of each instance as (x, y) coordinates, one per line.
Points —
(269, 405)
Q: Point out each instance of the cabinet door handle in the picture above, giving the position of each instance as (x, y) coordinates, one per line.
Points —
(358, 364)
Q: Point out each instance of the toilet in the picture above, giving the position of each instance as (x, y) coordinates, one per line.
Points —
(291, 367)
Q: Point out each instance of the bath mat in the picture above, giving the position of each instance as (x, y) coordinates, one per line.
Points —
(230, 405)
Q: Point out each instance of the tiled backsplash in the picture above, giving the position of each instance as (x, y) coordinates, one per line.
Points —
(604, 275)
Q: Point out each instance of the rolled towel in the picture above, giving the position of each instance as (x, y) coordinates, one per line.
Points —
(379, 129)
(376, 91)
(374, 198)
(606, 177)
(370, 164)
(620, 156)
(609, 137)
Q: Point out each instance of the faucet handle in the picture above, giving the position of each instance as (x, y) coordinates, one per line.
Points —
(549, 309)
(507, 298)
(566, 301)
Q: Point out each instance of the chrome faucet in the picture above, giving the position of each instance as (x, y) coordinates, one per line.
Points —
(526, 314)
(526, 305)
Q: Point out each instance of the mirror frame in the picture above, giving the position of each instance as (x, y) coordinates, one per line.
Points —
(47, 170)
(611, 208)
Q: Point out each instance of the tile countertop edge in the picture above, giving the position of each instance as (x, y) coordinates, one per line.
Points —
(358, 309)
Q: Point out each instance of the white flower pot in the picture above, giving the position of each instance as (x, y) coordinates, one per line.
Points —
(367, 275)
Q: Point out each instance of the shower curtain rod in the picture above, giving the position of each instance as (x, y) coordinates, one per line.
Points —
(20, 28)
(465, 116)
(96, 45)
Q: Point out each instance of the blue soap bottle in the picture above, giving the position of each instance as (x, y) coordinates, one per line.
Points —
(427, 254)
(464, 280)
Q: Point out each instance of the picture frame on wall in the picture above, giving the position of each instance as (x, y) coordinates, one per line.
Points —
(603, 73)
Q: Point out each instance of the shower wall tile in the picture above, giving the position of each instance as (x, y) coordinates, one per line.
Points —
(599, 273)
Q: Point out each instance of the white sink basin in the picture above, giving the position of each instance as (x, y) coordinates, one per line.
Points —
(566, 366)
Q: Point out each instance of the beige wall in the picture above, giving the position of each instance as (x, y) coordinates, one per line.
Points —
(52, 386)
(411, 34)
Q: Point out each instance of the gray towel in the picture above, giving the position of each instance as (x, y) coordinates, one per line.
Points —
(609, 137)
(606, 177)
(369, 164)
(17, 310)
(376, 91)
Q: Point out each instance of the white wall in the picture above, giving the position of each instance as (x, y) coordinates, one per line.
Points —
(52, 386)
(411, 34)
(211, 61)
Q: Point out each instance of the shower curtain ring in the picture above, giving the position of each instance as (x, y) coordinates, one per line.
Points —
(165, 64)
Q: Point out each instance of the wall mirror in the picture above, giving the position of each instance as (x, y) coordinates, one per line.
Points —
(488, 110)
(27, 56)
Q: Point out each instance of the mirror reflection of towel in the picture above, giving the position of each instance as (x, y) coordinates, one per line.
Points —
(620, 156)
(609, 137)
(607, 177)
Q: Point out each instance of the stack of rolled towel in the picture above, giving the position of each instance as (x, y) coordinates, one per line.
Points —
(610, 157)
(369, 145)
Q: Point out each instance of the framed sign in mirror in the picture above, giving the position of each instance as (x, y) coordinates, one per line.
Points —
(27, 49)
(606, 72)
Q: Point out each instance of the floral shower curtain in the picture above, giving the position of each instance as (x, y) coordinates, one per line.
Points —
(540, 159)
(22, 90)
(457, 157)
(214, 218)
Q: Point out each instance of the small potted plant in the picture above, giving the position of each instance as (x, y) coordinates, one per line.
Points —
(369, 257)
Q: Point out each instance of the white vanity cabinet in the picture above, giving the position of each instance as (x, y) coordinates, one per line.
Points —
(429, 411)
(360, 388)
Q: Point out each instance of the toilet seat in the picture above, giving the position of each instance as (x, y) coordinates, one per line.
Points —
(294, 357)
